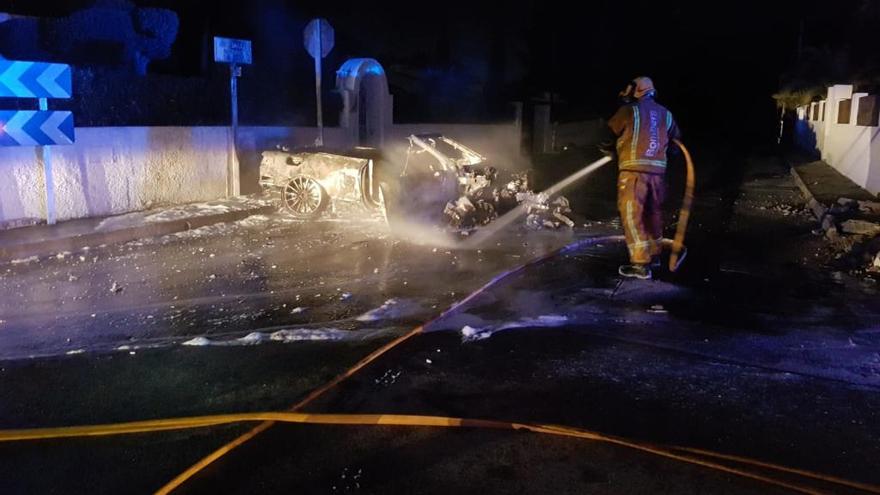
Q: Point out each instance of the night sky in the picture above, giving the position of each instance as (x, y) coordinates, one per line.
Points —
(715, 64)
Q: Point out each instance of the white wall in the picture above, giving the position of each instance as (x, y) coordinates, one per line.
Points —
(112, 170)
(116, 170)
(851, 149)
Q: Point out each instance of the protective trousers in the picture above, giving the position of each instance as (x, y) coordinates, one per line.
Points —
(640, 198)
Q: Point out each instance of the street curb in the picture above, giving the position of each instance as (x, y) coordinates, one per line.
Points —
(819, 210)
(77, 242)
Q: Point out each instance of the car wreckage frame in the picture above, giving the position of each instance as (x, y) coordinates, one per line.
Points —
(440, 180)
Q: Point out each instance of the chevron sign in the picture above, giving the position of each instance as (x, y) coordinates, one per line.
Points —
(34, 80)
(35, 128)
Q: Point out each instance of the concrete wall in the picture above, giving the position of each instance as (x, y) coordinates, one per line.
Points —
(114, 170)
(852, 149)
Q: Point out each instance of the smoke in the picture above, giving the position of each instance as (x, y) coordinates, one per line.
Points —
(424, 234)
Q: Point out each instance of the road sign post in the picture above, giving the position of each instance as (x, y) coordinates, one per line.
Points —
(233, 182)
(319, 37)
(47, 173)
(41, 128)
(320, 119)
(233, 52)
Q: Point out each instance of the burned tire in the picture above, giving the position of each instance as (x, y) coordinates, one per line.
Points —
(303, 197)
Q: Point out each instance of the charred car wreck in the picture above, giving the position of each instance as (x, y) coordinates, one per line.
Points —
(437, 180)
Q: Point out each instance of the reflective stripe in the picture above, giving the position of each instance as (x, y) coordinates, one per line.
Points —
(632, 224)
(653, 163)
(636, 124)
(668, 120)
(640, 244)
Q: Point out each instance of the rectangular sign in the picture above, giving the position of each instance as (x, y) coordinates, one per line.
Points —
(20, 79)
(232, 51)
(35, 128)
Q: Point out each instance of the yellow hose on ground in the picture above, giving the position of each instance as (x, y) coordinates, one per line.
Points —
(225, 449)
(684, 215)
(675, 453)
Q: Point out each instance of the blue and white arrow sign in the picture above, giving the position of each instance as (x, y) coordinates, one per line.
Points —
(34, 80)
(35, 128)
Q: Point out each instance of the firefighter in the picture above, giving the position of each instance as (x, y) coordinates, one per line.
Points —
(644, 129)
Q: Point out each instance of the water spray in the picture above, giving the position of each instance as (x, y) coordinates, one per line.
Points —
(676, 244)
(513, 215)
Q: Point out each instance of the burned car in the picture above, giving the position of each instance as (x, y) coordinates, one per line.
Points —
(481, 191)
(309, 183)
(435, 180)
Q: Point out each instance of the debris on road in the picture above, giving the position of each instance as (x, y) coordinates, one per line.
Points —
(470, 334)
(657, 309)
(480, 204)
(860, 227)
(348, 482)
(22, 261)
(388, 378)
(869, 207)
(875, 265)
(308, 334)
(391, 309)
(283, 336)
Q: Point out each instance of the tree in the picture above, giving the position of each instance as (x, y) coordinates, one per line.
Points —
(155, 31)
(109, 32)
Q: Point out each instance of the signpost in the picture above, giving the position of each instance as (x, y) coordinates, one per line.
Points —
(319, 38)
(40, 128)
(233, 52)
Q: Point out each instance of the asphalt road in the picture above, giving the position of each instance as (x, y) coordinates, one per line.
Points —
(756, 349)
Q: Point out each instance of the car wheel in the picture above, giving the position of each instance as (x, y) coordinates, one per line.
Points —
(303, 197)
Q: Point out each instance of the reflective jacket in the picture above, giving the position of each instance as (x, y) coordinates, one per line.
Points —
(644, 130)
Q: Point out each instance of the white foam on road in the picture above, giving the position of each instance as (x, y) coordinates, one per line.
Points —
(254, 221)
(284, 336)
(470, 334)
(391, 309)
(22, 261)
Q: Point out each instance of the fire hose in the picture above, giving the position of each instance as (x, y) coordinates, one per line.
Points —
(685, 213)
(682, 454)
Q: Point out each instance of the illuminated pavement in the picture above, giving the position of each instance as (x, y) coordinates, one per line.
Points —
(265, 273)
(754, 350)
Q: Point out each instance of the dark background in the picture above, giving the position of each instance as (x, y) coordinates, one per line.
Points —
(715, 64)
